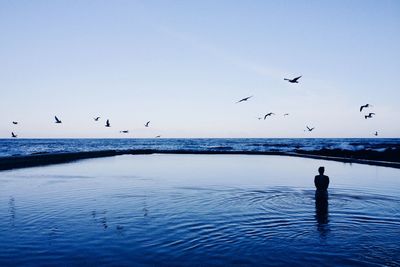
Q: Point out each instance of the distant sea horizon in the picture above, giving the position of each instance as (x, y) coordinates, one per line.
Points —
(31, 146)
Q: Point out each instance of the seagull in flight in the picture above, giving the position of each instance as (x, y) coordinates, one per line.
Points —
(125, 131)
(268, 114)
(369, 115)
(96, 119)
(244, 99)
(376, 133)
(310, 129)
(57, 120)
(147, 124)
(13, 135)
(15, 122)
(108, 123)
(364, 106)
(294, 80)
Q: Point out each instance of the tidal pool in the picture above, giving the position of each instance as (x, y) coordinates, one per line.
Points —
(199, 210)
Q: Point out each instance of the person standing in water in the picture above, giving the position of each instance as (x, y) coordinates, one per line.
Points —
(321, 181)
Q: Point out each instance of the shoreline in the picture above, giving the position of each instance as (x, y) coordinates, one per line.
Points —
(17, 162)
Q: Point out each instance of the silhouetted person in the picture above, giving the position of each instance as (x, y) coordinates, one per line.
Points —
(321, 181)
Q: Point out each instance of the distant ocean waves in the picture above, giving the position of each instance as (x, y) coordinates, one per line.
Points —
(20, 153)
(383, 149)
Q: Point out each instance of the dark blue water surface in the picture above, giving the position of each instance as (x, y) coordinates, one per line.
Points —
(185, 210)
(14, 147)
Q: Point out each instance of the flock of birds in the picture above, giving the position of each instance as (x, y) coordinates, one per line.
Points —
(147, 124)
(107, 125)
(309, 129)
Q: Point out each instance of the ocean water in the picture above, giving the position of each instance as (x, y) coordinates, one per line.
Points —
(191, 210)
(15, 147)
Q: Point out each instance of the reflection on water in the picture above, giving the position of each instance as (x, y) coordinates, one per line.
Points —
(198, 210)
(11, 209)
(321, 212)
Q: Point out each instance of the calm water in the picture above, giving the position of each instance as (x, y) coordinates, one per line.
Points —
(199, 210)
(13, 147)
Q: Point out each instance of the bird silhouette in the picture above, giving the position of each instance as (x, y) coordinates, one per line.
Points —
(268, 114)
(286, 114)
(147, 124)
(108, 123)
(244, 99)
(15, 122)
(125, 131)
(96, 119)
(158, 136)
(369, 115)
(376, 133)
(310, 129)
(13, 135)
(364, 106)
(57, 120)
(294, 80)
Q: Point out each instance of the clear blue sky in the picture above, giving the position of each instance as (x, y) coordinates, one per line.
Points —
(183, 64)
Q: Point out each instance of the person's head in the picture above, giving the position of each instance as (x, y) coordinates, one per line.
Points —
(321, 170)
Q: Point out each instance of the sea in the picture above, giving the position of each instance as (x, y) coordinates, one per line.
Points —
(24, 147)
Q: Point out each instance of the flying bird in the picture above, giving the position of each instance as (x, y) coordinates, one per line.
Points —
(125, 131)
(376, 133)
(57, 120)
(147, 124)
(269, 114)
(15, 122)
(244, 99)
(294, 80)
(364, 106)
(108, 123)
(96, 119)
(369, 115)
(13, 135)
(310, 129)
(158, 136)
(286, 114)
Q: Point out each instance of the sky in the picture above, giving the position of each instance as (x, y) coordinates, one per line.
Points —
(183, 65)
